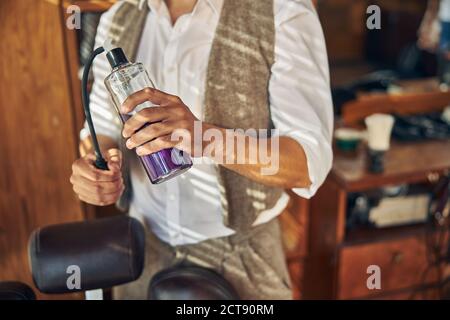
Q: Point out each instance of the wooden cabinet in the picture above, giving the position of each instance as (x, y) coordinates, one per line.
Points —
(431, 293)
(338, 258)
(405, 262)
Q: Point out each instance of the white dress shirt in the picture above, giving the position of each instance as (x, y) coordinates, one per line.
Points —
(444, 11)
(187, 209)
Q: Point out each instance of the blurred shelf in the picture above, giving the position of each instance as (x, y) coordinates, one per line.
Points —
(344, 72)
(90, 5)
(414, 96)
(404, 163)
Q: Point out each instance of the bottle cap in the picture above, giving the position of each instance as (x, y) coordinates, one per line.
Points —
(116, 57)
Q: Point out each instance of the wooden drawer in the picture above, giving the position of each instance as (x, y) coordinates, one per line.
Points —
(403, 264)
(414, 294)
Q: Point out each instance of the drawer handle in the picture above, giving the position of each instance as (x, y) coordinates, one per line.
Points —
(397, 257)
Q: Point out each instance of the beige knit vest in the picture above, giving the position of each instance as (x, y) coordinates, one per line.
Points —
(236, 94)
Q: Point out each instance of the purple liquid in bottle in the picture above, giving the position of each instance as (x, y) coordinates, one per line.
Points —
(164, 164)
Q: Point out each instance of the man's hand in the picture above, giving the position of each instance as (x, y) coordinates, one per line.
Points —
(95, 186)
(428, 34)
(170, 117)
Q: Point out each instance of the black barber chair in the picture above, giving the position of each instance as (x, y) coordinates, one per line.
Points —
(101, 253)
(110, 252)
(188, 282)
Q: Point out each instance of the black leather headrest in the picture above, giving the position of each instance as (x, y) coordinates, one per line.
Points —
(99, 254)
(12, 290)
(190, 283)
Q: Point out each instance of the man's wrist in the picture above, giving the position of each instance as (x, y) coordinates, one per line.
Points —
(216, 148)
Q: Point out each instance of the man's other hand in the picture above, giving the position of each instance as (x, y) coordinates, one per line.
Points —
(95, 186)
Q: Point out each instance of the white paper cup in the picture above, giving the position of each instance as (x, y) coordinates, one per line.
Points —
(379, 129)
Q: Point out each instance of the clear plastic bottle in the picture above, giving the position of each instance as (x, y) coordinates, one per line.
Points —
(125, 79)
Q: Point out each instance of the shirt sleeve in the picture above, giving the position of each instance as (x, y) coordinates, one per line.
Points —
(299, 88)
(105, 119)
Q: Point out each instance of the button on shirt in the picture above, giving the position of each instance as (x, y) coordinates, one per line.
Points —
(187, 209)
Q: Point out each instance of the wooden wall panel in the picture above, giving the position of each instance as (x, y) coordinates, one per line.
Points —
(37, 135)
(343, 23)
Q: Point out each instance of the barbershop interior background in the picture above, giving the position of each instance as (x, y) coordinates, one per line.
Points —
(377, 210)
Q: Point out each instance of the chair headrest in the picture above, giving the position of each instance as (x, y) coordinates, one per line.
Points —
(87, 255)
(186, 282)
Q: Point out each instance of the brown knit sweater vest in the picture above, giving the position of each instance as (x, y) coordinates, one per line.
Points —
(236, 94)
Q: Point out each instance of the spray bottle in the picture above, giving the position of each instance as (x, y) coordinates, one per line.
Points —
(125, 79)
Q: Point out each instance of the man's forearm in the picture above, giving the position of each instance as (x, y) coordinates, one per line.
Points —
(288, 157)
(291, 172)
(105, 142)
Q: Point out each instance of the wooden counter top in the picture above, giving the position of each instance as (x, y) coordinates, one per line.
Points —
(404, 163)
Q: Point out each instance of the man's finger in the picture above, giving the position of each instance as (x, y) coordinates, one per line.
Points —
(103, 201)
(87, 186)
(156, 145)
(148, 94)
(151, 132)
(86, 168)
(148, 115)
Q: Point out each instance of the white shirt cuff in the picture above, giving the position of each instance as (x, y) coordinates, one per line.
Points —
(319, 157)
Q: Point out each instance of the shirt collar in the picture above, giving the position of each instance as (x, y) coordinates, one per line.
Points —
(156, 4)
